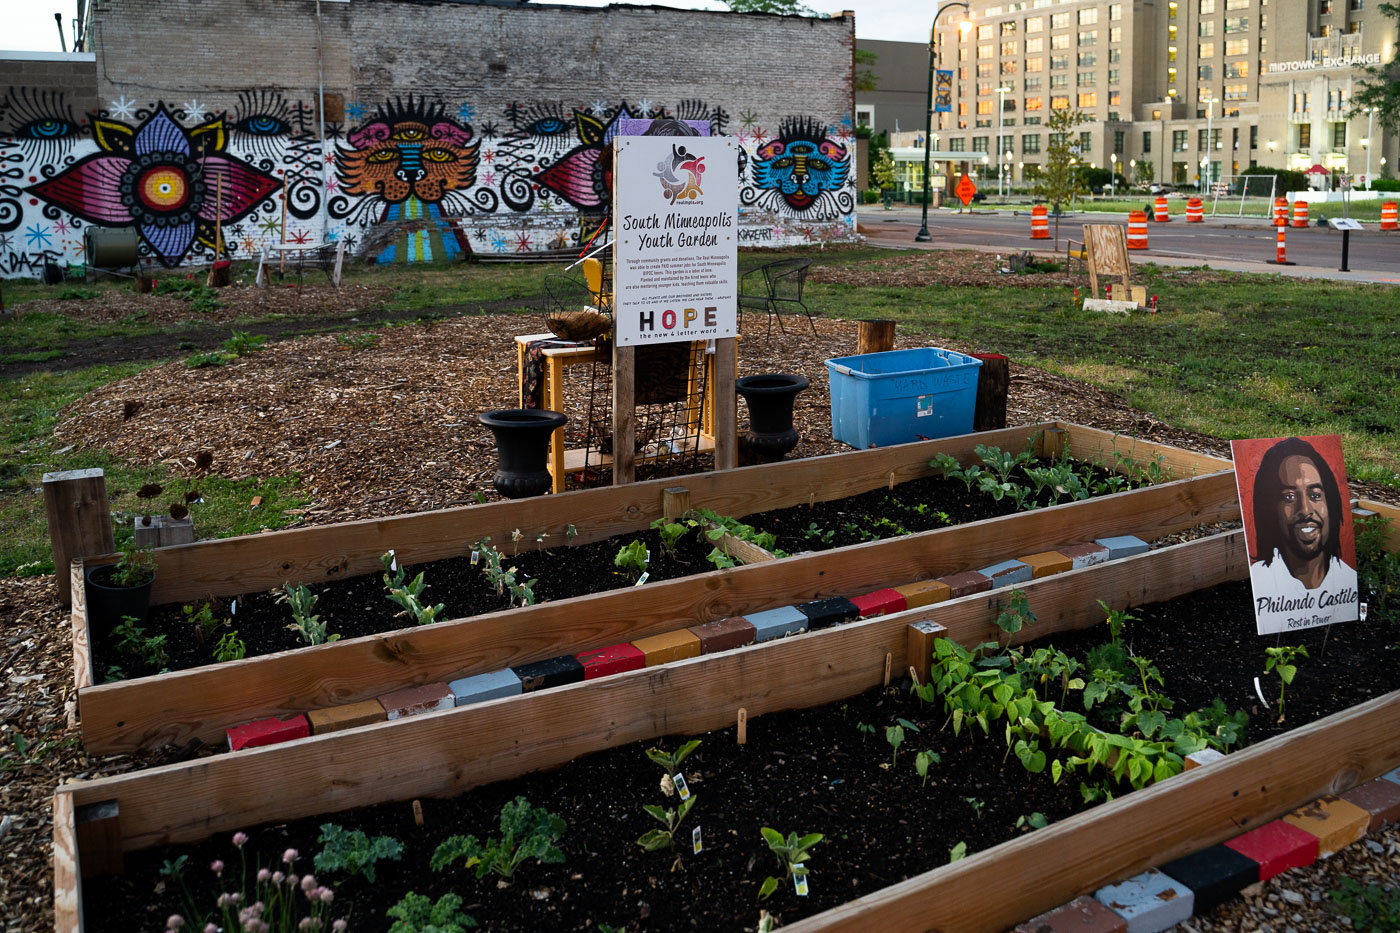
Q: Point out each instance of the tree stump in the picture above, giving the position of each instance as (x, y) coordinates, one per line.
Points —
(874, 336)
(993, 382)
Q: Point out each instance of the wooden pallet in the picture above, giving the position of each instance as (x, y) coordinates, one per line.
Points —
(449, 752)
(201, 702)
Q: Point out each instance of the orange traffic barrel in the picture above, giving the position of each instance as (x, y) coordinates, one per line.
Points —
(1280, 212)
(1040, 223)
(1300, 213)
(1280, 250)
(1195, 213)
(1390, 216)
(1159, 210)
(1137, 230)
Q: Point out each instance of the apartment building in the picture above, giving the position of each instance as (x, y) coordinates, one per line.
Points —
(1197, 89)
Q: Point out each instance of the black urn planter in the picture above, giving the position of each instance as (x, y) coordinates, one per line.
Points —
(107, 603)
(770, 397)
(522, 442)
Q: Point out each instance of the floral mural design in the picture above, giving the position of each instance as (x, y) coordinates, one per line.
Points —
(173, 185)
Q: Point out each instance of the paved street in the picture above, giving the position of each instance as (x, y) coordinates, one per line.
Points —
(1245, 244)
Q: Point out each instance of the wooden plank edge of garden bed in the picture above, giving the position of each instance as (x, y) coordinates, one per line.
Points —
(250, 563)
(67, 879)
(201, 702)
(1390, 512)
(1009, 883)
(82, 650)
(1107, 449)
(446, 753)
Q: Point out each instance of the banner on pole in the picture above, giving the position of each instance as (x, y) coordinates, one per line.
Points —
(943, 92)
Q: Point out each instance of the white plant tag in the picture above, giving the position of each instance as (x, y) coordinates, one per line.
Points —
(643, 578)
(1363, 612)
(233, 607)
(476, 556)
(648, 555)
(1260, 692)
(393, 562)
(799, 883)
(679, 781)
(695, 843)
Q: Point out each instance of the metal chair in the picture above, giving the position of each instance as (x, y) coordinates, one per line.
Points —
(770, 286)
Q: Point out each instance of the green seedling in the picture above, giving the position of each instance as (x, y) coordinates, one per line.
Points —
(632, 558)
(1283, 660)
(654, 840)
(957, 853)
(202, 619)
(895, 736)
(792, 852)
(230, 648)
(526, 833)
(670, 762)
(307, 625)
(922, 761)
(865, 729)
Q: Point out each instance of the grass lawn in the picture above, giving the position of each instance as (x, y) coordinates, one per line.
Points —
(1225, 209)
(1250, 356)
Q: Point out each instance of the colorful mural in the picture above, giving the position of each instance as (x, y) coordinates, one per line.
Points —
(408, 180)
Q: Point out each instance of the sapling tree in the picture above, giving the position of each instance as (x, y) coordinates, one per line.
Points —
(1283, 661)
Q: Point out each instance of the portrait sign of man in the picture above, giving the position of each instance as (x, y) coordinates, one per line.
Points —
(1297, 521)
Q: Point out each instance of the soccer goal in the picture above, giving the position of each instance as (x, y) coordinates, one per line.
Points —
(1243, 195)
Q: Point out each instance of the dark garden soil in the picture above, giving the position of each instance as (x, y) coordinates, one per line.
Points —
(802, 771)
(358, 606)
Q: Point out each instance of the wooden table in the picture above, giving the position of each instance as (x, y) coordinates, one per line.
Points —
(561, 462)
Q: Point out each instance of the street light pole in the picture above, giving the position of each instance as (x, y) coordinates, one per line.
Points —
(1112, 175)
(1210, 139)
(1001, 113)
(1370, 124)
(923, 234)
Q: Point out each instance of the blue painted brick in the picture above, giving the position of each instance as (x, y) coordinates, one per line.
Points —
(1122, 546)
(1150, 902)
(1008, 572)
(1392, 776)
(481, 687)
(775, 623)
(1215, 875)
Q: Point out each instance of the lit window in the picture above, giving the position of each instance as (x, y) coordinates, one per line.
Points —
(1034, 64)
(1008, 28)
(1036, 24)
(984, 31)
(1087, 59)
(1237, 69)
(1060, 41)
(1115, 11)
(984, 106)
(1035, 45)
(1059, 20)
(1033, 103)
(1206, 50)
(1114, 99)
(1089, 37)
(1207, 7)
(1115, 34)
(1171, 53)
(1008, 68)
(1088, 99)
(986, 51)
(1236, 46)
(1236, 91)
(1008, 48)
(1059, 103)
(1088, 17)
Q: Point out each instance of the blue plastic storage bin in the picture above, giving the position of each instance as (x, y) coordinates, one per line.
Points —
(878, 399)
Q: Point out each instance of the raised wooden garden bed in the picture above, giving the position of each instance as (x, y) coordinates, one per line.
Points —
(201, 703)
(452, 751)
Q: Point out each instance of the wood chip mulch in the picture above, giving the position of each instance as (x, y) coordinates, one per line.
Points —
(375, 432)
(962, 268)
(313, 299)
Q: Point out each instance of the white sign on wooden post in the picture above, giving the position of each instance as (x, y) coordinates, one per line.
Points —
(676, 248)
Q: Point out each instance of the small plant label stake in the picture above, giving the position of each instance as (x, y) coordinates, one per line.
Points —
(743, 726)
(799, 884)
(889, 659)
(1259, 691)
(679, 781)
(1363, 612)
(695, 843)
(393, 562)
(646, 575)
(233, 608)
(476, 556)
(418, 814)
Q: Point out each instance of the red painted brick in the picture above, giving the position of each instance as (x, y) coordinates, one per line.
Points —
(1277, 847)
(724, 634)
(267, 732)
(879, 603)
(1380, 798)
(969, 581)
(614, 659)
(1081, 915)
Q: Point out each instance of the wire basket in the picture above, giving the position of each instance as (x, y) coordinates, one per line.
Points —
(571, 313)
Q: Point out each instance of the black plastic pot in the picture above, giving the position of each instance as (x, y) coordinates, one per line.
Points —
(522, 442)
(107, 603)
(770, 398)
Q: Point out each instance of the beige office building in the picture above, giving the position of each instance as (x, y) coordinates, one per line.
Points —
(1186, 86)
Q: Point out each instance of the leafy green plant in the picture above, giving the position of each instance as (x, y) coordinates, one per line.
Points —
(1001, 462)
(1371, 907)
(230, 648)
(202, 619)
(407, 593)
(976, 804)
(352, 852)
(418, 914)
(78, 294)
(1117, 620)
(207, 358)
(791, 851)
(1377, 569)
(957, 853)
(721, 560)
(1017, 614)
(132, 640)
(895, 736)
(814, 532)
(526, 833)
(135, 566)
(632, 558)
(1034, 820)
(865, 729)
(922, 761)
(358, 340)
(1283, 660)
(503, 578)
(654, 840)
(308, 626)
(241, 343)
(670, 533)
(670, 762)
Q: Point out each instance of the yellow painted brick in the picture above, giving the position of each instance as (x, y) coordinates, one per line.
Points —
(672, 646)
(345, 717)
(1047, 562)
(1335, 822)
(924, 593)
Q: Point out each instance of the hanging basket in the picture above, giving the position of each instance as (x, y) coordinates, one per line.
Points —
(570, 314)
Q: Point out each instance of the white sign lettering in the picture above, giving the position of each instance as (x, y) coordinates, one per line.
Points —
(1373, 58)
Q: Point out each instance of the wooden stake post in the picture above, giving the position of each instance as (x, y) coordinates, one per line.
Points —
(80, 521)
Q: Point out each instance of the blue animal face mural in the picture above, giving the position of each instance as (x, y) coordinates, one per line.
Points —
(802, 167)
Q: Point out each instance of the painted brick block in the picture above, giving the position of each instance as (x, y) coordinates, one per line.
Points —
(668, 647)
(1335, 822)
(775, 623)
(1081, 915)
(1007, 573)
(824, 613)
(924, 593)
(614, 659)
(1276, 847)
(1203, 757)
(1120, 546)
(481, 687)
(724, 634)
(1046, 563)
(1393, 776)
(411, 701)
(267, 732)
(1085, 555)
(551, 672)
(1149, 902)
(1215, 875)
(966, 583)
(349, 716)
(1381, 799)
(880, 603)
